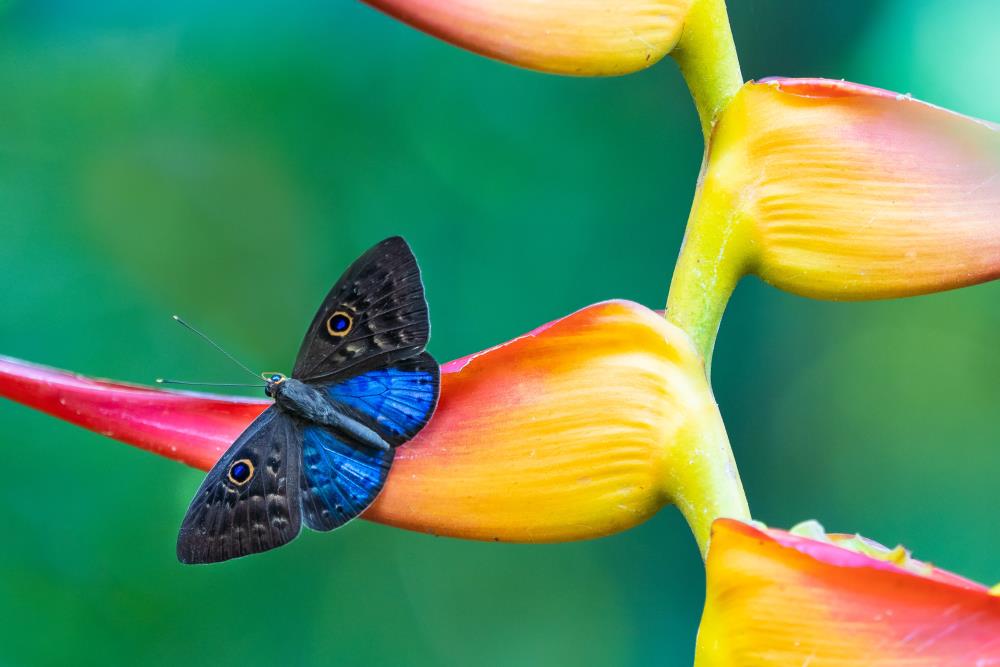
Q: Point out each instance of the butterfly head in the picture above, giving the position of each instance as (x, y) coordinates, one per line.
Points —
(273, 380)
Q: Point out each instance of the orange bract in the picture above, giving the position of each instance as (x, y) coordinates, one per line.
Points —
(562, 434)
(778, 599)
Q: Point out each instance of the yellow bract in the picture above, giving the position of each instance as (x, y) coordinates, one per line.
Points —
(857, 193)
(834, 190)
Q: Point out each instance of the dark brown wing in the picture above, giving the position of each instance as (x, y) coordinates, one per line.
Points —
(249, 502)
(376, 314)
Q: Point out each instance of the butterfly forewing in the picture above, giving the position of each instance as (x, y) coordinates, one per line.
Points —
(249, 502)
(374, 315)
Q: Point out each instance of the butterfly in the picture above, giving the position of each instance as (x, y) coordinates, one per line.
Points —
(361, 386)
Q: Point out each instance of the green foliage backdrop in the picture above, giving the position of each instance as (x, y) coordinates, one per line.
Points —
(226, 160)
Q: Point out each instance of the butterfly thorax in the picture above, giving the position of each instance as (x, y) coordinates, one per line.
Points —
(298, 398)
(312, 404)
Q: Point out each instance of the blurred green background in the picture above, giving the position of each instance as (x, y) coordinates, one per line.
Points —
(227, 161)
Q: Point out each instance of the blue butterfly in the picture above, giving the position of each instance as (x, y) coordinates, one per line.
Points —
(362, 385)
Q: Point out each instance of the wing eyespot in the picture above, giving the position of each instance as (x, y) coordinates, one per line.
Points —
(240, 472)
(339, 324)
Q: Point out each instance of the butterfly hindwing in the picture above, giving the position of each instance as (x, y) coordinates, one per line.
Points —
(396, 401)
(374, 315)
(249, 502)
(339, 480)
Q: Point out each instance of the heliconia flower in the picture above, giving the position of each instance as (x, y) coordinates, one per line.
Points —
(777, 598)
(581, 37)
(835, 190)
(583, 427)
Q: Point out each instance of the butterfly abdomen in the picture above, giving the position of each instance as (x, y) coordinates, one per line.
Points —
(313, 406)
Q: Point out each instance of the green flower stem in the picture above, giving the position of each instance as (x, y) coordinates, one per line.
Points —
(707, 57)
(715, 254)
(704, 482)
(709, 266)
(708, 269)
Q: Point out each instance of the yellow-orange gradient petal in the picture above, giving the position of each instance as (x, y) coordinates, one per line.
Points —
(583, 427)
(851, 192)
(579, 37)
(778, 599)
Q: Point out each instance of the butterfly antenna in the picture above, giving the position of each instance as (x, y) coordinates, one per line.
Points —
(216, 346)
(207, 384)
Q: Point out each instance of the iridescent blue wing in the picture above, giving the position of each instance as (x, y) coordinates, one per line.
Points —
(249, 500)
(395, 401)
(340, 478)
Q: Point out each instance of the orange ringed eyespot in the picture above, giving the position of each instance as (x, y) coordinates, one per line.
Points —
(339, 324)
(240, 472)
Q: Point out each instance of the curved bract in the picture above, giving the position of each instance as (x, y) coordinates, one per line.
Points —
(834, 190)
(775, 598)
(579, 37)
(859, 193)
(193, 428)
(583, 427)
(592, 38)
